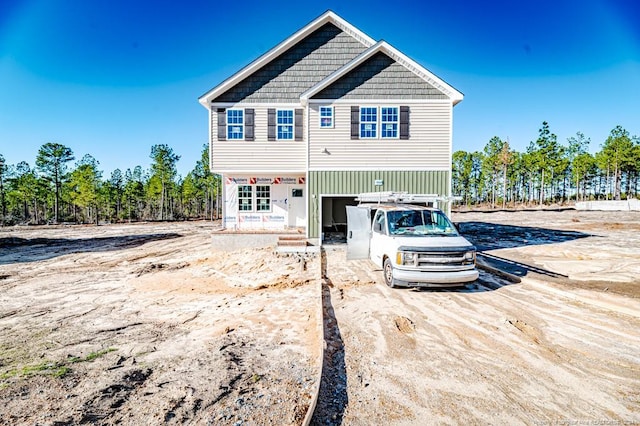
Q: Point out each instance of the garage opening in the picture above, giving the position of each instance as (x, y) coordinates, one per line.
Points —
(333, 218)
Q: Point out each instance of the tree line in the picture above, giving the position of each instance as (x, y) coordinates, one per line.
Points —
(548, 172)
(54, 191)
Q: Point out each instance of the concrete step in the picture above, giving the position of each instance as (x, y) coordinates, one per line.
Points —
(292, 243)
(291, 237)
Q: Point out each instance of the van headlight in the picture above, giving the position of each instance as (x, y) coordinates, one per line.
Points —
(406, 258)
(470, 257)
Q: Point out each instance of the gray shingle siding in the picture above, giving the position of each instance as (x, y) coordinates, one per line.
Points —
(380, 77)
(296, 70)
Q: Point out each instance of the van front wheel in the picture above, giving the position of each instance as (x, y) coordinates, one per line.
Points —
(388, 273)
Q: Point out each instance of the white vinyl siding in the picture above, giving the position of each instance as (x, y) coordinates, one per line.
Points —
(428, 147)
(260, 155)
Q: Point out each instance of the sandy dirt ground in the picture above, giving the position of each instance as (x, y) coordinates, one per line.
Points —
(560, 347)
(150, 324)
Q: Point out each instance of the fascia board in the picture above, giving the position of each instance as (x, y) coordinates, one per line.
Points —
(395, 54)
(423, 73)
(327, 17)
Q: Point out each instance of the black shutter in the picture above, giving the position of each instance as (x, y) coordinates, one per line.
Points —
(271, 124)
(222, 124)
(298, 123)
(355, 122)
(404, 122)
(249, 134)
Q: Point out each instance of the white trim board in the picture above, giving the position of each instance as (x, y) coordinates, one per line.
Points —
(379, 101)
(380, 169)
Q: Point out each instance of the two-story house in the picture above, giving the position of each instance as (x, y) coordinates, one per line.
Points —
(323, 116)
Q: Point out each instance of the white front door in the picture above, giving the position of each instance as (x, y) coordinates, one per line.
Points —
(297, 203)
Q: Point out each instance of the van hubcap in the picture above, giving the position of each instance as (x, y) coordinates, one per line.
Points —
(388, 272)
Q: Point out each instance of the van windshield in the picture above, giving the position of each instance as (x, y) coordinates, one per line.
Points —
(420, 223)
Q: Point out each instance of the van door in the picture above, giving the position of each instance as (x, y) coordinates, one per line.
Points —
(379, 238)
(358, 232)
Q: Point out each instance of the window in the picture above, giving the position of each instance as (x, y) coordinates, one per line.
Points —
(263, 198)
(235, 124)
(245, 198)
(326, 117)
(296, 192)
(284, 123)
(382, 221)
(368, 122)
(393, 122)
(389, 122)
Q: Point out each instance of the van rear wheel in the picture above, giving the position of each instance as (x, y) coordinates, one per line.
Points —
(388, 273)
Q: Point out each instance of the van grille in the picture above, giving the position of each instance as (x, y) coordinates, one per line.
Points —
(430, 259)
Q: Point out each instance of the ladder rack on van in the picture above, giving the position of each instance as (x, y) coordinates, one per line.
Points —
(398, 197)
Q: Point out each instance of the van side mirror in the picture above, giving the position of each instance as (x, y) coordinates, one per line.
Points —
(377, 227)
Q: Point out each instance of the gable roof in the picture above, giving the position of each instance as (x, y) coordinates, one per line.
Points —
(384, 47)
(327, 17)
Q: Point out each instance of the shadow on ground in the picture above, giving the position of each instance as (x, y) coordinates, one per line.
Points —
(488, 236)
(332, 397)
(492, 236)
(22, 250)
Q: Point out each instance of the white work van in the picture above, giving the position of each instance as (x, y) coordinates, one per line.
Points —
(415, 245)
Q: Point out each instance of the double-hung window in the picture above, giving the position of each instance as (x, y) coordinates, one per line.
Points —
(245, 198)
(384, 122)
(326, 116)
(368, 122)
(284, 124)
(235, 124)
(263, 198)
(389, 122)
(258, 196)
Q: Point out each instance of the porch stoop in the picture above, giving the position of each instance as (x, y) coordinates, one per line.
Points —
(295, 244)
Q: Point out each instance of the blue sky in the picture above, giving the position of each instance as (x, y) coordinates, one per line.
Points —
(113, 78)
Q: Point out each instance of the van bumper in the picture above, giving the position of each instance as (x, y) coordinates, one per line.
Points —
(408, 278)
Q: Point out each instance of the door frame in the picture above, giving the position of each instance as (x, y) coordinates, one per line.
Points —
(321, 198)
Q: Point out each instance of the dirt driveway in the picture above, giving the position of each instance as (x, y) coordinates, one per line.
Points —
(151, 324)
(561, 347)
